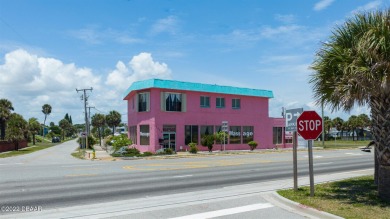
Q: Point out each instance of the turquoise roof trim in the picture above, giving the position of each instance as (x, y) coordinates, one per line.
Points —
(189, 86)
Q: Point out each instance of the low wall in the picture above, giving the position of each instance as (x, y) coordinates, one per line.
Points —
(9, 146)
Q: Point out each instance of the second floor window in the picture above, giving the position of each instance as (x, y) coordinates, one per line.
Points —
(173, 102)
(220, 102)
(143, 102)
(204, 101)
(236, 104)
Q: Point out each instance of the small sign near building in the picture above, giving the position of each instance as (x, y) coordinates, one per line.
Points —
(291, 119)
(225, 126)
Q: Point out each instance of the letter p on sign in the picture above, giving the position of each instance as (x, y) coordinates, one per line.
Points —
(309, 125)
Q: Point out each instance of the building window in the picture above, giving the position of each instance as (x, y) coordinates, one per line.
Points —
(204, 101)
(144, 134)
(191, 134)
(277, 135)
(173, 102)
(143, 102)
(235, 135)
(236, 103)
(247, 134)
(220, 102)
(206, 130)
(133, 134)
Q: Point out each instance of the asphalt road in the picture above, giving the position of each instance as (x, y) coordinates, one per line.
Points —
(52, 179)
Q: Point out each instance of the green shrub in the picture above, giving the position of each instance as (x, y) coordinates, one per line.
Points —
(208, 141)
(147, 154)
(252, 145)
(132, 152)
(168, 151)
(193, 148)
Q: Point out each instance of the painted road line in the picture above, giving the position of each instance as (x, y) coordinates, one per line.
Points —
(83, 165)
(182, 176)
(8, 164)
(317, 164)
(229, 211)
(315, 156)
(78, 175)
(354, 154)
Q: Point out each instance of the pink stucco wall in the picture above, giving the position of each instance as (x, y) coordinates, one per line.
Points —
(253, 112)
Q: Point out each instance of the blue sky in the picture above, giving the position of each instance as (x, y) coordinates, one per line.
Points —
(50, 48)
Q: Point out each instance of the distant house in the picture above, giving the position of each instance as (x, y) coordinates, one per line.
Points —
(171, 114)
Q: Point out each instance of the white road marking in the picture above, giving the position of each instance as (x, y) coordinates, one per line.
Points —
(316, 164)
(83, 165)
(315, 156)
(182, 176)
(6, 164)
(354, 154)
(228, 211)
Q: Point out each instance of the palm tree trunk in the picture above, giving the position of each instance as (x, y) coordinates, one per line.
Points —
(376, 167)
(380, 113)
(2, 129)
(33, 139)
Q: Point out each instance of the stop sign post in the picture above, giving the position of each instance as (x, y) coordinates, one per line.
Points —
(309, 126)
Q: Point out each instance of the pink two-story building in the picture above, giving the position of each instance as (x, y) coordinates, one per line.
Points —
(171, 114)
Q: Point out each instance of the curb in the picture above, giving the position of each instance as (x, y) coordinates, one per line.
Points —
(297, 208)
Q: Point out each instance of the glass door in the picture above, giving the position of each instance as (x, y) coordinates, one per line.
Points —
(169, 140)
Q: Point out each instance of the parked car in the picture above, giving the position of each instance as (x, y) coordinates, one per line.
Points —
(55, 140)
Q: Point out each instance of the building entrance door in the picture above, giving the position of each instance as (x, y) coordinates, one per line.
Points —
(169, 140)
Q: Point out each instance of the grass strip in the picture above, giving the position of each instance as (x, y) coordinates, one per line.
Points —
(350, 198)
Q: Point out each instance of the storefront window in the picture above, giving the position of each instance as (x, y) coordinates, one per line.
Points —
(191, 134)
(144, 134)
(133, 134)
(235, 135)
(206, 130)
(277, 135)
(247, 134)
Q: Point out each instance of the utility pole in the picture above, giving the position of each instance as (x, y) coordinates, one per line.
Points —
(89, 117)
(85, 110)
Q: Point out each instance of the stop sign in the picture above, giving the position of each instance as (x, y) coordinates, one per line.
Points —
(309, 125)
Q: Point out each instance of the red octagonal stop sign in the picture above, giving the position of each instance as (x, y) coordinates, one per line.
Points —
(309, 125)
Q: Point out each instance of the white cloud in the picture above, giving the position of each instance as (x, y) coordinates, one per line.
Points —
(96, 35)
(373, 5)
(29, 81)
(90, 35)
(168, 25)
(323, 4)
(140, 67)
(285, 18)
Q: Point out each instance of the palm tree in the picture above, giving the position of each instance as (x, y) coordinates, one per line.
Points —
(352, 67)
(34, 127)
(17, 129)
(5, 112)
(113, 119)
(46, 109)
(65, 126)
(338, 123)
(98, 121)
